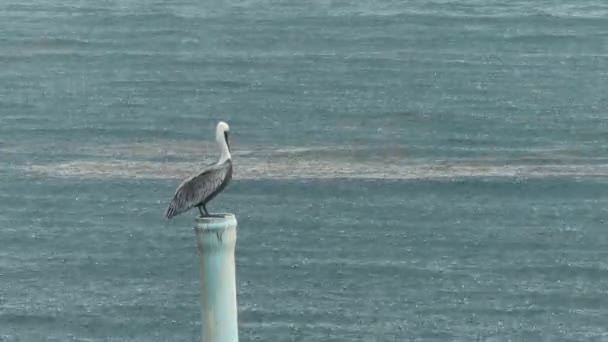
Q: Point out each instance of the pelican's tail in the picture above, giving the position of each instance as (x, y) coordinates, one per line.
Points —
(171, 211)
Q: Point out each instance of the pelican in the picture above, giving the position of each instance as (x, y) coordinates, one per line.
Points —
(198, 190)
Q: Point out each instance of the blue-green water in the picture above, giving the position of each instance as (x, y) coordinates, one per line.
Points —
(404, 171)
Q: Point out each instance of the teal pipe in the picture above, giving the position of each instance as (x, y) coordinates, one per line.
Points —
(216, 240)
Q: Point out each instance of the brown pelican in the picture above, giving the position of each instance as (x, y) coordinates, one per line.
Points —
(201, 188)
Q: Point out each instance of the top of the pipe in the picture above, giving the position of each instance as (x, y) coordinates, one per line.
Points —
(217, 222)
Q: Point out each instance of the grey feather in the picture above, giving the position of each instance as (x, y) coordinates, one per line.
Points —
(200, 189)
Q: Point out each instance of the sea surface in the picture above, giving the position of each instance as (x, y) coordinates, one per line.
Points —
(404, 170)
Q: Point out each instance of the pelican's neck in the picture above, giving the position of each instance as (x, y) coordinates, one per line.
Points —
(225, 152)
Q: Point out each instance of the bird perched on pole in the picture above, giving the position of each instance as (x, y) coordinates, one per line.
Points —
(199, 189)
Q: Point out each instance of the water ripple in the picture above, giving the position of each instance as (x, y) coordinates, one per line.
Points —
(323, 162)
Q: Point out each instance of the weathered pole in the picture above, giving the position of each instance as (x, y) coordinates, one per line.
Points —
(216, 240)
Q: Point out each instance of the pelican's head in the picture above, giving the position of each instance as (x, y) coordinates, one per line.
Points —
(222, 133)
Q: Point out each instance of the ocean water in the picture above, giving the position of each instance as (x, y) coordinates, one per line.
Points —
(404, 170)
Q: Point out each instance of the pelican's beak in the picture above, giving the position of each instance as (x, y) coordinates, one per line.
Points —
(227, 141)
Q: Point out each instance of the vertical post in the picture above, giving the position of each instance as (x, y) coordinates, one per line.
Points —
(216, 240)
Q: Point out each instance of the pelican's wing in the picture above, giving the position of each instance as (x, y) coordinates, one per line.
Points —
(196, 189)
